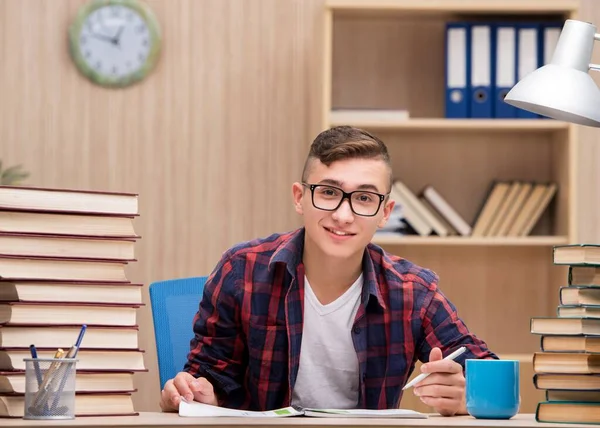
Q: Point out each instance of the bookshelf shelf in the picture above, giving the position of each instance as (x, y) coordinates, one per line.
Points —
(457, 6)
(492, 125)
(526, 241)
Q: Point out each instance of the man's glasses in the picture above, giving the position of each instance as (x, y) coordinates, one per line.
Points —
(329, 198)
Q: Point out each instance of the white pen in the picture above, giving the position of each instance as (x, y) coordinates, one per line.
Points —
(422, 376)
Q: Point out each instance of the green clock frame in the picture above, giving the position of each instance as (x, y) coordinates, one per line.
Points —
(101, 79)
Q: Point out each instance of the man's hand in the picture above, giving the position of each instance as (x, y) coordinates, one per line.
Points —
(187, 386)
(444, 388)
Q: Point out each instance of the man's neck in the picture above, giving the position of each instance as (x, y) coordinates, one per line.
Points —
(329, 277)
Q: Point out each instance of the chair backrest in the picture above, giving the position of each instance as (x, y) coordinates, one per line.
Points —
(174, 304)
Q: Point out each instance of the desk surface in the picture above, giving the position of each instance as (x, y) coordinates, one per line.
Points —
(158, 420)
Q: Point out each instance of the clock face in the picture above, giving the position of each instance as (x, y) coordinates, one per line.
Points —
(115, 43)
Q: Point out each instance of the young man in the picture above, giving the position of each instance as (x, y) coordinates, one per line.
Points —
(321, 317)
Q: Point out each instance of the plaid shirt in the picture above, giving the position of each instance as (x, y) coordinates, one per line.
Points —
(248, 329)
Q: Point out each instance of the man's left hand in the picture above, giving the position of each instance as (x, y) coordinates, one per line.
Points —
(444, 388)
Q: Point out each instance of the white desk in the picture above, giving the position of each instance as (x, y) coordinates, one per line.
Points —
(167, 420)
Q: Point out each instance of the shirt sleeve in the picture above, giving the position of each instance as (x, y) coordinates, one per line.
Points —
(443, 328)
(217, 350)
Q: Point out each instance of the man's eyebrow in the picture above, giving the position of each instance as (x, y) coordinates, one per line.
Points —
(338, 183)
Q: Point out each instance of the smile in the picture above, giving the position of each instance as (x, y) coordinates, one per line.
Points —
(338, 232)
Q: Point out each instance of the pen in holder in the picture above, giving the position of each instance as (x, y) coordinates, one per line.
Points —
(54, 397)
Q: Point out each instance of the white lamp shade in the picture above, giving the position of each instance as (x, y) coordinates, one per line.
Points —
(563, 89)
(558, 92)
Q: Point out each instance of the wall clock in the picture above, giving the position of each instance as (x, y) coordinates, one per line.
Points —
(115, 43)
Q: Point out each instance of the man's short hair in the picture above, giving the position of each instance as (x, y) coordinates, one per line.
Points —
(346, 142)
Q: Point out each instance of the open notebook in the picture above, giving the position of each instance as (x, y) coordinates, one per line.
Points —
(195, 409)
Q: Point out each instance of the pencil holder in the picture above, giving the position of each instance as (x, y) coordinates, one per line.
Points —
(49, 388)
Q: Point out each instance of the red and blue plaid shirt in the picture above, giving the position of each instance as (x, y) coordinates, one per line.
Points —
(248, 330)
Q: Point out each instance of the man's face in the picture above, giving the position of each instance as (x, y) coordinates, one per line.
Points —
(342, 233)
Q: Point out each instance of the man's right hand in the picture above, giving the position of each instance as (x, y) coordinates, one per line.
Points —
(187, 386)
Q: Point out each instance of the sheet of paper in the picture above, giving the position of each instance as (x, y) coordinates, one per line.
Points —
(365, 413)
(195, 409)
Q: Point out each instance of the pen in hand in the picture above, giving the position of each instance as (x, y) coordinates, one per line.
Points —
(422, 376)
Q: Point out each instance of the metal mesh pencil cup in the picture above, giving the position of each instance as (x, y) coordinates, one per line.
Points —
(49, 388)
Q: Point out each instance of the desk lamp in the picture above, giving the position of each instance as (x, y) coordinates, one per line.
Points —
(563, 89)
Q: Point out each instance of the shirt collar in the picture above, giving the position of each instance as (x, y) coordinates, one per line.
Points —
(290, 254)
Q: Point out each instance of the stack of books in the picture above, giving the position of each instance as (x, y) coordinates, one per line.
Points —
(63, 259)
(568, 366)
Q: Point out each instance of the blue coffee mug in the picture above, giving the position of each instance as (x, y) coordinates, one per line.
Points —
(492, 388)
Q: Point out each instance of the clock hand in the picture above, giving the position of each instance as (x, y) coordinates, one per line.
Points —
(105, 38)
(117, 38)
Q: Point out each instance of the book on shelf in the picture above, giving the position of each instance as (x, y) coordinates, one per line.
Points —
(71, 292)
(67, 200)
(577, 254)
(411, 216)
(515, 208)
(67, 224)
(446, 210)
(14, 382)
(410, 199)
(61, 336)
(72, 247)
(576, 343)
(114, 404)
(530, 211)
(124, 360)
(60, 269)
(579, 295)
(507, 203)
(448, 229)
(31, 313)
(584, 275)
(539, 209)
(489, 208)
(352, 116)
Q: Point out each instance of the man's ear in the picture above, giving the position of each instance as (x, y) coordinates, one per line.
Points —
(387, 210)
(297, 193)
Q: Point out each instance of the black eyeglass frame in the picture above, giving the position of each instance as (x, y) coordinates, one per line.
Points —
(345, 195)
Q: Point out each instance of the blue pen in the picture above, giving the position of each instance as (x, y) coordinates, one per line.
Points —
(78, 343)
(72, 354)
(36, 365)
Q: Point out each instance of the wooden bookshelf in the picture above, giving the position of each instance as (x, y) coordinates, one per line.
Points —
(464, 6)
(389, 55)
(498, 125)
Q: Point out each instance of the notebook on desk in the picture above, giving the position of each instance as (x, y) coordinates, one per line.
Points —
(196, 409)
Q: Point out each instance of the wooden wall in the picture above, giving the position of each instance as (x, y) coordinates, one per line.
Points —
(211, 141)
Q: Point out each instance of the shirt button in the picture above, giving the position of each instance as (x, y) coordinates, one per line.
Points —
(356, 330)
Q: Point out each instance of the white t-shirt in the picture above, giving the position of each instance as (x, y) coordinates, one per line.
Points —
(328, 375)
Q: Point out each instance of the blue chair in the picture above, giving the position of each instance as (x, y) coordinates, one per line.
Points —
(174, 303)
